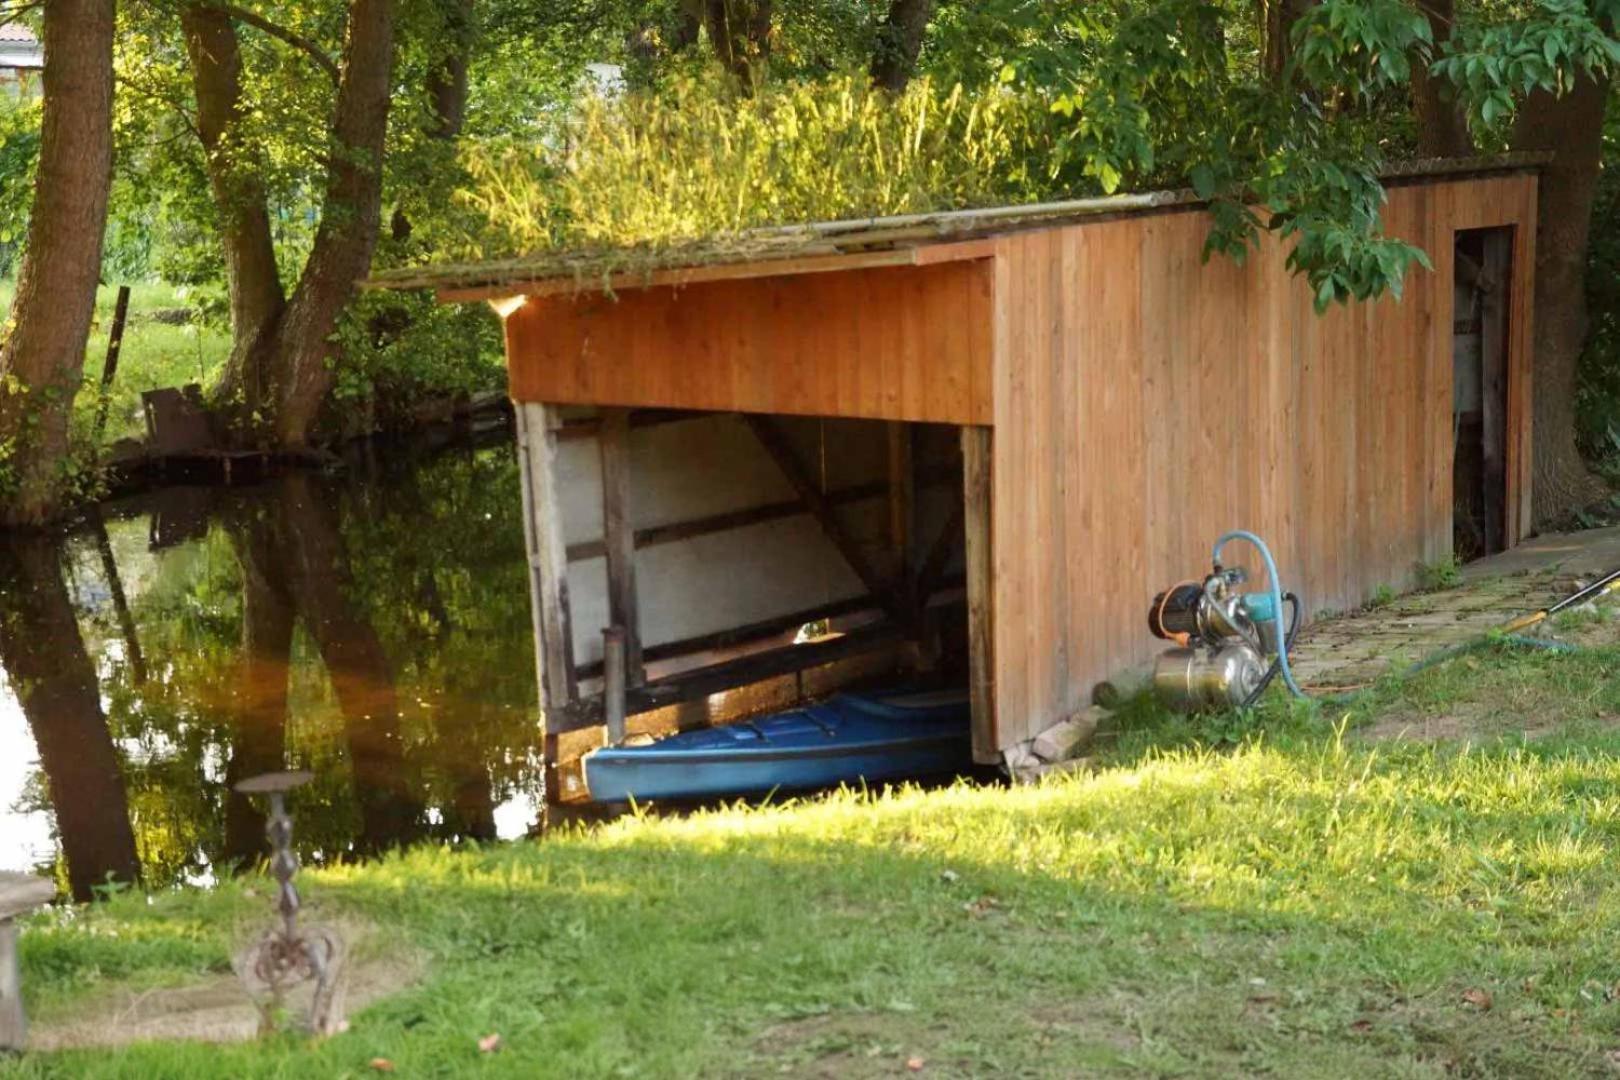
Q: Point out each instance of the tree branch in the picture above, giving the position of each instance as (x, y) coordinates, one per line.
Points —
(275, 30)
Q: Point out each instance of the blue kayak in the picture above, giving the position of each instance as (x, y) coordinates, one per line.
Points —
(849, 738)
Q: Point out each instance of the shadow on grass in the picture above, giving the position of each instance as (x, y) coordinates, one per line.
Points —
(1304, 907)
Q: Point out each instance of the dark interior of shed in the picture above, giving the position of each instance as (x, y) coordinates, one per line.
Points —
(776, 559)
(1483, 277)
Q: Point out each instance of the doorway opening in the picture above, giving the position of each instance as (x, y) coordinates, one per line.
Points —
(1481, 289)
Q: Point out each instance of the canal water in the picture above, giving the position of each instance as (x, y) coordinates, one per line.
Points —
(370, 625)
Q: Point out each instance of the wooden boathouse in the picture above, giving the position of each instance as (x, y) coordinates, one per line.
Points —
(983, 440)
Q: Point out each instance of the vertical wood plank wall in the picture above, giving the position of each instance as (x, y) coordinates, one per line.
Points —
(1146, 402)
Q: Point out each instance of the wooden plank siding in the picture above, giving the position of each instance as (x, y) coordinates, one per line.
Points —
(1135, 401)
(1145, 402)
(894, 343)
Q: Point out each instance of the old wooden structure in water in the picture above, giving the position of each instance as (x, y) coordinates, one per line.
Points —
(1035, 417)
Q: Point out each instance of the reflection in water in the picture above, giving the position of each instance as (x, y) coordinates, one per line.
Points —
(55, 684)
(375, 633)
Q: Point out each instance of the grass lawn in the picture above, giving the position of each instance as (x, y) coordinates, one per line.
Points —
(154, 353)
(1280, 893)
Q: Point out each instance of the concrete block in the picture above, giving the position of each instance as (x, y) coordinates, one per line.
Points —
(1070, 738)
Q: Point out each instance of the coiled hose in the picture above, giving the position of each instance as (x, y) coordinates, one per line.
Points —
(1283, 640)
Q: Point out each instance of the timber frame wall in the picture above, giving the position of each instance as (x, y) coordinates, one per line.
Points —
(1121, 404)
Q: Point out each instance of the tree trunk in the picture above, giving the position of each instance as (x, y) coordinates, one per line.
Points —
(287, 368)
(43, 358)
(1442, 129)
(1572, 127)
(899, 42)
(298, 360)
(447, 82)
(234, 176)
(1278, 18)
(740, 32)
(688, 23)
(55, 683)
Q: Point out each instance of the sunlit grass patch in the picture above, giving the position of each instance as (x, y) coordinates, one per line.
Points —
(1300, 901)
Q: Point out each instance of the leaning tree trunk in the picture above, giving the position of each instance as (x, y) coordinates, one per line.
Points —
(899, 43)
(235, 179)
(43, 358)
(44, 658)
(288, 365)
(1571, 127)
(1442, 129)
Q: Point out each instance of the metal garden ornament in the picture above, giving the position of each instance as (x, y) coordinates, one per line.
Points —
(288, 956)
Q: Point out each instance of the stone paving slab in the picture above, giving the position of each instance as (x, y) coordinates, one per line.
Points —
(1351, 650)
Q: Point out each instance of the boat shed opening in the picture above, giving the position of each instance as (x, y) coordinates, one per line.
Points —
(754, 472)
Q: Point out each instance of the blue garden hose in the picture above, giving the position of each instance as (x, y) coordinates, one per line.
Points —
(1276, 598)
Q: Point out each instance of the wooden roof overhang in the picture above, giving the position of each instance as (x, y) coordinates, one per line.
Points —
(880, 318)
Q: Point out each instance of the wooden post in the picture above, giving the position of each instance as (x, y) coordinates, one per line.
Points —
(976, 516)
(547, 556)
(115, 344)
(619, 538)
(902, 499)
(19, 894)
(614, 658)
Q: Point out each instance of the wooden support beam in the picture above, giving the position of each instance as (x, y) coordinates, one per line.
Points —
(902, 491)
(548, 564)
(780, 626)
(619, 538)
(754, 515)
(745, 670)
(781, 450)
(977, 446)
(613, 683)
(932, 573)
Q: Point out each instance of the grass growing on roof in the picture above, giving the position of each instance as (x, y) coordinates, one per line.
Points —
(696, 165)
(1291, 899)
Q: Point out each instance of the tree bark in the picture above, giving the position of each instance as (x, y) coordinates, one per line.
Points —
(42, 360)
(740, 32)
(286, 369)
(299, 367)
(1442, 129)
(55, 683)
(1278, 18)
(234, 172)
(899, 43)
(447, 82)
(1571, 127)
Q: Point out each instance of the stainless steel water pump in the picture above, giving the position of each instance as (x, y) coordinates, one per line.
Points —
(1223, 638)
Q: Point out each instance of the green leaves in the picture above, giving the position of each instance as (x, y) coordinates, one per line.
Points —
(1358, 47)
(1494, 60)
